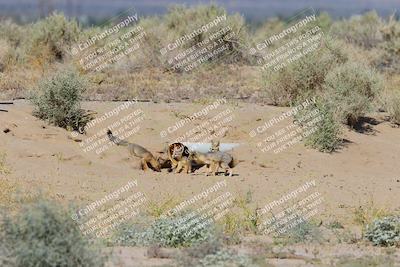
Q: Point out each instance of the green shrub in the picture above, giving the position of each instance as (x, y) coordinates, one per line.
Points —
(303, 77)
(212, 253)
(43, 234)
(13, 33)
(351, 88)
(5, 54)
(324, 132)
(390, 61)
(58, 100)
(15, 38)
(393, 107)
(178, 16)
(180, 21)
(56, 34)
(360, 30)
(366, 261)
(304, 231)
(166, 232)
(3, 164)
(384, 231)
(226, 257)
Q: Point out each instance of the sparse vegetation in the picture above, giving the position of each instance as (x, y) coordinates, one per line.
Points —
(352, 88)
(51, 37)
(347, 74)
(367, 261)
(7, 190)
(304, 231)
(305, 76)
(166, 232)
(43, 234)
(365, 214)
(393, 107)
(58, 100)
(384, 231)
(361, 30)
(3, 164)
(321, 130)
(226, 257)
(212, 253)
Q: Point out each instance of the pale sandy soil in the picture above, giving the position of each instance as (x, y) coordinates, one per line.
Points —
(44, 157)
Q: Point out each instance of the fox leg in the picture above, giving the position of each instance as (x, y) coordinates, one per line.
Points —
(174, 165)
(189, 167)
(210, 168)
(216, 167)
(144, 164)
(227, 168)
(179, 167)
(155, 164)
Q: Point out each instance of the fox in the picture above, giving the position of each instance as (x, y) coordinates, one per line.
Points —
(185, 164)
(214, 160)
(214, 145)
(179, 156)
(137, 151)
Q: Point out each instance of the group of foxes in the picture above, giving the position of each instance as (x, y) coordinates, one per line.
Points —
(178, 158)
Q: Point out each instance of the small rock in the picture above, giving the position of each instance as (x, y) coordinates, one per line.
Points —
(6, 130)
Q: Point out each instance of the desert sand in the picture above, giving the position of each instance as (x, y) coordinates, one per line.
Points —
(47, 158)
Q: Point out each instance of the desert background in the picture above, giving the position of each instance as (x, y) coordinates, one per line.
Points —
(48, 97)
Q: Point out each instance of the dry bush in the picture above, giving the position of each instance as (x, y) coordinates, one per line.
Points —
(305, 76)
(58, 100)
(324, 134)
(16, 81)
(181, 20)
(390, 61)
(361, 30)
(3, 164)
(7, 191)
(5, 54)
(231, 81)
(43, 234)
(352, 89)
(270, 27)
(50, 37)
(378, 38)
(393, 107)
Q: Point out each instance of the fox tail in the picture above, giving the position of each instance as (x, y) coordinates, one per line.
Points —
(234, 162)
(116, 140)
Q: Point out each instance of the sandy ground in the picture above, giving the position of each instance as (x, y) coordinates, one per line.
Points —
(49, 159)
